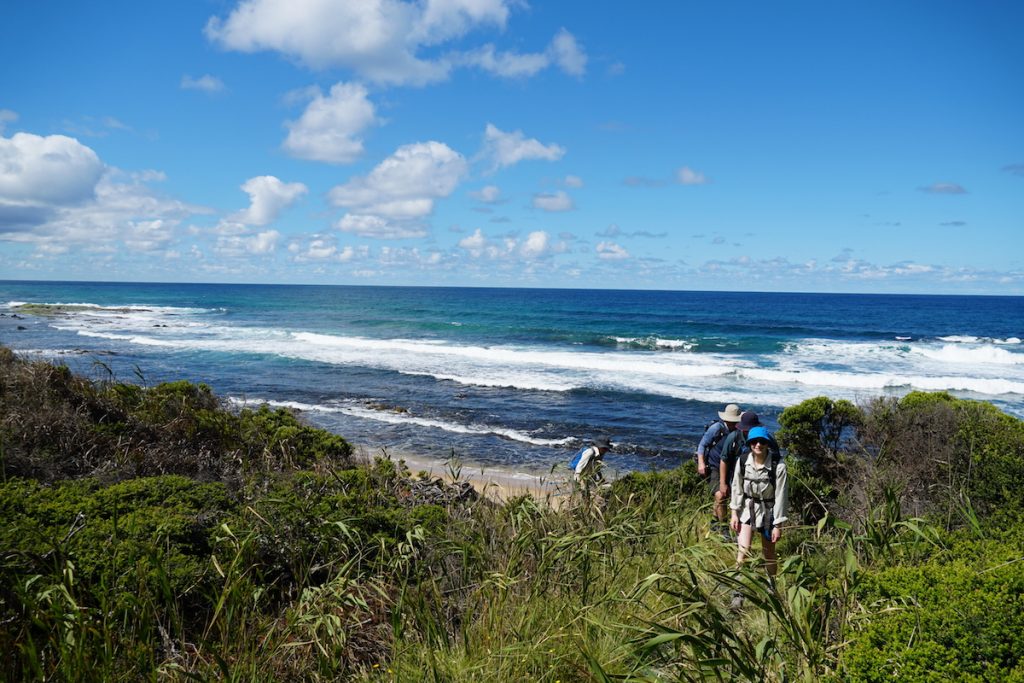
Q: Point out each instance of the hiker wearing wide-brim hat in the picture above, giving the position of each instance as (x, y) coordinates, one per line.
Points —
(588, 461)
(760, 498)
(709, 452)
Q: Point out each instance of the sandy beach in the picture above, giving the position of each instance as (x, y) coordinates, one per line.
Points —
(495, 483)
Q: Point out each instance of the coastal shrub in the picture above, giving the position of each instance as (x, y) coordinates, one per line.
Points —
(277, 439)
(956, 459)
(109, 531)
(943, 620)
(89, 574)
(55, 425)
(817, 430)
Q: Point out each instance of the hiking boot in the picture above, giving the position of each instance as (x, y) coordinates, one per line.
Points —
(737, 602)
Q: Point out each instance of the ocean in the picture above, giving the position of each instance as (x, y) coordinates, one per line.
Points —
(515, 380)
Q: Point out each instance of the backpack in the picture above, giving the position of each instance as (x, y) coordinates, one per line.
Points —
(576, 458)
(722, 433)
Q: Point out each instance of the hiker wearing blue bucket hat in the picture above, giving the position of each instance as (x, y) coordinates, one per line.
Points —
(760, 497)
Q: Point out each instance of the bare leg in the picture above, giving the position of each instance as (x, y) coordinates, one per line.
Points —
(720, 507)
(743, 543)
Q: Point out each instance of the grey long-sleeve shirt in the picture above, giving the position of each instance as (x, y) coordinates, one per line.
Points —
(753, 497)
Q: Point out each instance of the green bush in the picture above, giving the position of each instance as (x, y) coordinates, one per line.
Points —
(948, 619)
(817, 429)
(115, 534)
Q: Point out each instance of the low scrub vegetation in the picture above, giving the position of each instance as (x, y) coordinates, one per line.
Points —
(148, 533)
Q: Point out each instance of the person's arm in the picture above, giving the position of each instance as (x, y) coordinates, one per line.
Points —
(736, 499)
(781, 510)
(727, 456)
(705, 441)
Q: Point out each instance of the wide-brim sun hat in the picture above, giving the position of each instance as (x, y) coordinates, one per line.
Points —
(756, 433)
(603, 442)
(748, 420)
(731, 413)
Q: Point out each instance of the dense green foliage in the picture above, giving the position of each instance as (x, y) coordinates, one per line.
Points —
(149, 533)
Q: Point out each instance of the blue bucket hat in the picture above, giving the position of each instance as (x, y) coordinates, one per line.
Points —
(756, 433)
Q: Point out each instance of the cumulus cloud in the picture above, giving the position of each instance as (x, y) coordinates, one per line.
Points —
(1015, 169)
(324, 248)
(379, 39)
(611, 251)
(687, 176)
(268, 196)
(536, 245)
(489, 194)
(399, 191)
(239, 246)
(47, 171)
(330, 127)
(557, 201)
(507, 149)
(567, 53)
(206, 83)
(573, 181)
(943, 188)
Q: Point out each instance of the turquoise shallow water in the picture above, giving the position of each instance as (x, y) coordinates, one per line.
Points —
(517, 378)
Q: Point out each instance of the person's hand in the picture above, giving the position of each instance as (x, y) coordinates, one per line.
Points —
(776, 534)
(724, 488)
(701, 470)
(734, 523)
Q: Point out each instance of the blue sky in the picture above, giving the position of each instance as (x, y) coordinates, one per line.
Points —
(802, 146)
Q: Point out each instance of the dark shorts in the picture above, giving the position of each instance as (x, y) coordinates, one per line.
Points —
(713, 478)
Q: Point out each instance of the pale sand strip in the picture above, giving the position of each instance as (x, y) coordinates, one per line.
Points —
(495, 483)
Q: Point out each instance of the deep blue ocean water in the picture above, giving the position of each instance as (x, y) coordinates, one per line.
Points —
(517, 379)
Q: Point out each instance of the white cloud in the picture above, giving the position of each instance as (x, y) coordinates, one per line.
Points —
(506, 149)
(381, 40)
(399, 190)
(506, 64)
(378, 39)
(509, 248)
(268, 196)
(237, 246)
(378, 227)
(558, 201)
(329, 128)
(123, 213)
(489, 194)
(323, 248)
(47, 171)
(443, 20)
(567, 54)
(563, 52)
(573, 181)
(611, 251)
(6, 116)
(205, 83)
(535, 245)
(687, 176)
(474, 243)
